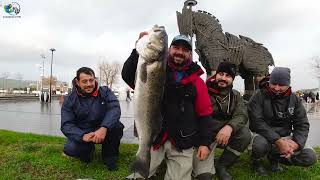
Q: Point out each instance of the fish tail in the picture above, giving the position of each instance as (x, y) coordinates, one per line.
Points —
(142, 165)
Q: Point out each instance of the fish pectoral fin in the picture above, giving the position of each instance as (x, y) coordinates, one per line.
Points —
(143, 72)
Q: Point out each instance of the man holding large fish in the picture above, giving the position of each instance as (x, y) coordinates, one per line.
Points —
(172, 106)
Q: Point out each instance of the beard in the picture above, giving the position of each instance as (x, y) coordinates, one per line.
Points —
(83, 91)
(179, 65)
(222, 90)
(227, 84)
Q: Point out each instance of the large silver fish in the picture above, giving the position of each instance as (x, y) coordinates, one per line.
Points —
(148, 93)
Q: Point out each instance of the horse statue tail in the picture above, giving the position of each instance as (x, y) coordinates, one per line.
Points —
(257, 58)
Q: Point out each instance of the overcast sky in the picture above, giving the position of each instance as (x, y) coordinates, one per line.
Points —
(85, 32)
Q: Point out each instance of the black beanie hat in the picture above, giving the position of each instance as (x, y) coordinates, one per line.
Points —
(227, 67)
(281, 76)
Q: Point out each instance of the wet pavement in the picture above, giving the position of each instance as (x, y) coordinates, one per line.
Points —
(42, 118)
(313, 112)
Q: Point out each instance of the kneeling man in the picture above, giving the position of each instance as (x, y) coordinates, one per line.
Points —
(90, 115)
(280, 122)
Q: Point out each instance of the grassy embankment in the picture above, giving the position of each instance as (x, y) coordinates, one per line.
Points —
(29, 156)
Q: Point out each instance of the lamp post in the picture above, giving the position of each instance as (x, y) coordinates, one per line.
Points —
(42, 76)
(52, 49)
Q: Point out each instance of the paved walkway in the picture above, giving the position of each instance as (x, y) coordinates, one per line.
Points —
(39, 118)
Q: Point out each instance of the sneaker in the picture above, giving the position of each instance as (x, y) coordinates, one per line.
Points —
(66, 156)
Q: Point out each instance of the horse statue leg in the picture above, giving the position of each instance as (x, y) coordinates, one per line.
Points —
(251, 83)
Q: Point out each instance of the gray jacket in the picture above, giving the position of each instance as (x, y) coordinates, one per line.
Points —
(276, 117)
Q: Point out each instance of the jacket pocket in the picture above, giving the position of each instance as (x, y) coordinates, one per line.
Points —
(186, 134)
(185, 139)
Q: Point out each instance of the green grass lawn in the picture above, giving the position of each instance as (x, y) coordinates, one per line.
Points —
(29, 156)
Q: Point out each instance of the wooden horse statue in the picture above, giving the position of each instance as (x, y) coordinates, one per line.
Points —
(213, 46)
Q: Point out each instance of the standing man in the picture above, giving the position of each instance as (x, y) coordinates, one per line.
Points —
(186, 112)
(128, 98)
(280, 122)
(90, 115)
(230, 119)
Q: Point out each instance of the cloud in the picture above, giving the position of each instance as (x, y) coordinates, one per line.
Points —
(84, 31)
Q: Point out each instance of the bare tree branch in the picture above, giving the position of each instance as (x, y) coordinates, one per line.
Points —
(46, 81)
(109, 73)
(316, 65)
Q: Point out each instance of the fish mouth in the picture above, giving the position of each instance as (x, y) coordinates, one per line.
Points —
(159, 28)
(160, 31)
(151, 47)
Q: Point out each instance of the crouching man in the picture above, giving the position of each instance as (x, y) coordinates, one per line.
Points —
(90, 115)
(230, 119)
(280, 122)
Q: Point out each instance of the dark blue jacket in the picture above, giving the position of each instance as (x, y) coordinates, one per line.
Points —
(84, 114)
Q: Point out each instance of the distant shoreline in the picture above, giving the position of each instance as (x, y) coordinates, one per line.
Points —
(24, 97)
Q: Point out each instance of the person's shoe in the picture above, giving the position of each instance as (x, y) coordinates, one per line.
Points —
(223, 173)
(205, 176)
(66, 156)
(258, 168)
(226, 159)
(88, 158)
(112, 167)
(133, 177)
(275, 166)
(111, 163)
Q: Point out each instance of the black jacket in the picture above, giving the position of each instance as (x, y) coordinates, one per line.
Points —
(195, 116)
(277, 116)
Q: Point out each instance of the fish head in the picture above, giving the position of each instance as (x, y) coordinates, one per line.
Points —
(153, 45)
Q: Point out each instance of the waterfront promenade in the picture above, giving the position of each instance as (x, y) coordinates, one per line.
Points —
(43, 118)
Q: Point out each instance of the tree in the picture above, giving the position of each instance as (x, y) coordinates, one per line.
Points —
(108, 72)
(46, 81)
(316, 65)
(19, 76)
